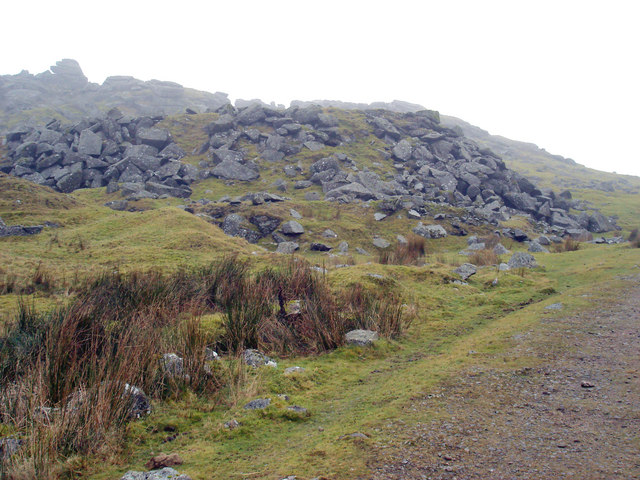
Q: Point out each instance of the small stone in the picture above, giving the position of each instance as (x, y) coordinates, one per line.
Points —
(554, 306)
(295, 214)
(297, 409)
(380, 242)
(379, 216)
(258, 404)
(585, 384)
(293, 370)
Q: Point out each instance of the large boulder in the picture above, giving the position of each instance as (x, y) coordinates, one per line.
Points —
(89, 143)
(430, 231)
(292, 228)
(232, 170)
(466, 270)
(155, 137)
(402, 150)
(522, 260)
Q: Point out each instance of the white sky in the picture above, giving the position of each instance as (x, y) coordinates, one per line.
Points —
(562, 74)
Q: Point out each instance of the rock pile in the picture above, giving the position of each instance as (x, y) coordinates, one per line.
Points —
(119, 151)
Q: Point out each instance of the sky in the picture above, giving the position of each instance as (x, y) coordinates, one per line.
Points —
(562, 74)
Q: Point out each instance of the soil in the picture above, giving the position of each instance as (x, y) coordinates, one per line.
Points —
(575, 413)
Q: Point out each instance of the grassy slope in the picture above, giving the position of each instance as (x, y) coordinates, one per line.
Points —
(357, 390)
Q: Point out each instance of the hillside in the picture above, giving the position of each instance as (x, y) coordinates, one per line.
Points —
(264, 292)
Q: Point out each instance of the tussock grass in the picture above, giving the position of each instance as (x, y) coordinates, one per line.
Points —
(65, 372)
(568, 245)
(484, 257)
(410, 253)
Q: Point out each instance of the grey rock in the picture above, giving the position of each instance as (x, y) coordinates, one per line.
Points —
(402, 151)
(311, 196)
(156, 137)
(500, 249)
(379, 216)
(466, 270)
(361, 338)
(292, 228)
(232, 170)
(161, 189)
(362, 251)
(295, 214)
(166, 473)
(90, 143)
(319, 247)
(118, 205)
(522, 259)
(343, 247)
(314, 146)
(297, 409)
(503, 267)
(535, 247)
(380, 242)
(258, 404)
(266, 224)
(554, 306)
(328, 233)
(255, 358)
(544, 240)
(302, 184)
(139, 404)
(172, 365)
(430, 231)
(287, 247)
(70, 182)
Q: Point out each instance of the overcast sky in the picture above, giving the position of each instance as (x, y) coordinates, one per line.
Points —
(562, 74)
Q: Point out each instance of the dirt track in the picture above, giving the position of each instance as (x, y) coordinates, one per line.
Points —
(544, 422)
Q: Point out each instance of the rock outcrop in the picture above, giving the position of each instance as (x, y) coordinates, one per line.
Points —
(121, 152)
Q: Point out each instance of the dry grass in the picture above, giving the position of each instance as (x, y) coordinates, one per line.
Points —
(410, 253)
(484, 257)
(569, 245)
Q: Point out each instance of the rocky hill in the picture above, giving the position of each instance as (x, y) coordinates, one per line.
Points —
(543, 167)
(64, 93)
(405, 161)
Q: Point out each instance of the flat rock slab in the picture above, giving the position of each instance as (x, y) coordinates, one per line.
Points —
(163, 474)
(258, 404)
(361, 338)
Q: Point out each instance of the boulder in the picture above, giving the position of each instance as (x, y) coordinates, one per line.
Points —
(430, 231)
(292, 228)
(161, 189)
(255, 358)
(522, 259)
(465, 271)
(535, 247)
(380, 242)
(319, 247)
(266, 224)
(70, 182)
(232, 170)
(287, 247)
(361, 338)
(155, 137)
(89, 143)
(402, 150)
(500, 249)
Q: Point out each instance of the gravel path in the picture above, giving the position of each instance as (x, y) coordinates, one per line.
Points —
(575, 415)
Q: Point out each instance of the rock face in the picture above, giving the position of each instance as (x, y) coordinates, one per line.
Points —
(64, 89)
